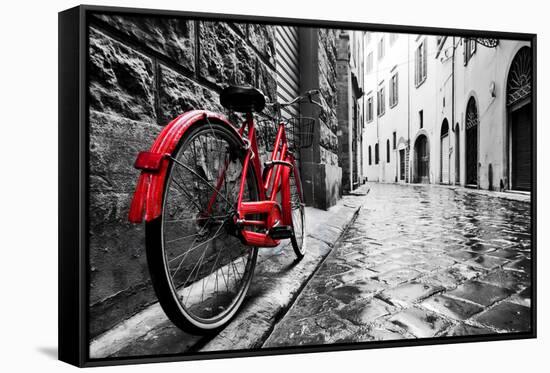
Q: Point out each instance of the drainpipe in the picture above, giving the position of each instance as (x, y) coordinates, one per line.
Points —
(408, 149)
(453, 113)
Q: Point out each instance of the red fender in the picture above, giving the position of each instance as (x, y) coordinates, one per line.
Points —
(148, 196)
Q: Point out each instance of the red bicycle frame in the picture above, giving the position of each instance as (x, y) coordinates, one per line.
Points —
(274, 179)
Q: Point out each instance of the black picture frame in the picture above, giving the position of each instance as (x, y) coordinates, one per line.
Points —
(73, 187)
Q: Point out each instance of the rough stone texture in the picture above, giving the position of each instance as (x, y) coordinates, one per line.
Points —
(178, 94)
(262, 37)
(328, 157)
(143, 73)
(121, 79)
(266, 82)
(420, 323)
(278, 279)
(393, 274)
(328, 122)
(172, 37)
(453, 308)
(507, 317)
(326, 180)
(224, 57)
(343, 82)
(480, 293)
(117, 259)
(347, 301)
(327, 67)
(328, 140)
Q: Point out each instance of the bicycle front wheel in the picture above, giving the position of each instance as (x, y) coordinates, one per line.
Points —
(298, 214)
(199, 267)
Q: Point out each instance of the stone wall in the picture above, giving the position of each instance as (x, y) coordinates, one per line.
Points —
(143, 72)
(328, 86)
(321, 174)
(343, 112)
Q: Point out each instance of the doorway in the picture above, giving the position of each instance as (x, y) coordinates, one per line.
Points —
(457, 154)
(422, 160)
(445, 153)
(472, 123)
(520, 119)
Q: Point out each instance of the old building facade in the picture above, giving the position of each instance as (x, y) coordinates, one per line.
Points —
(350, 109)
(144, 71)
(448, 110)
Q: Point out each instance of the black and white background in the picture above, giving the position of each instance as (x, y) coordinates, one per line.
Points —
(30, 319)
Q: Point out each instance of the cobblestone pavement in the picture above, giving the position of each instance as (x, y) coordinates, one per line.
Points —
(278, 279)
(419, 261)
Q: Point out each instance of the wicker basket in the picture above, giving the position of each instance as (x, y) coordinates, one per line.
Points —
(299, 132)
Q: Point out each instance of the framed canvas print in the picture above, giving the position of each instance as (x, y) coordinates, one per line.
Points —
(236, 186)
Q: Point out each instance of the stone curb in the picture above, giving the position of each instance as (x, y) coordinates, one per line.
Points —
(255, 322)
(278, 280)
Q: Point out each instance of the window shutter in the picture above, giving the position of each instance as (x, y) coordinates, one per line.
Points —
(465, 50)
(396, 88)
(287, 66)
(425, 62)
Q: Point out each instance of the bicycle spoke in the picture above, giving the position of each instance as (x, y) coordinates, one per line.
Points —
(208, 266)
(196, 247)
(191, 199)
(199, 263)
(201, 178)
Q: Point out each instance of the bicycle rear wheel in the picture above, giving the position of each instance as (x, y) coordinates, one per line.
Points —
(199, 267)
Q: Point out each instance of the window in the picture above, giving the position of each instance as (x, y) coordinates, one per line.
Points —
(421, 118)
(381, 48)
(376, 154)
(470, 46)
(388, 151)
(370, 156)
(394, 90)
(369, 63)
(381, 102)
(421, 64)
(393, 38)
(394, 140)
(370, 109)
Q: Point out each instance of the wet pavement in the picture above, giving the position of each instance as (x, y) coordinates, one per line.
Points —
(419, 261)
(278, 279)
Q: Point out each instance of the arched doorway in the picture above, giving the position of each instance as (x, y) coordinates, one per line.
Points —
(445, 177)
(520, 119)
(472, 122)
(422, 160)
(457, 154)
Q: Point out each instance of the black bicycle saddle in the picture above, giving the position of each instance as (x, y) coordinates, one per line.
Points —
(242, 99)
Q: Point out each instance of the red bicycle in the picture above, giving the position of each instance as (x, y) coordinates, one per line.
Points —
(208, 206)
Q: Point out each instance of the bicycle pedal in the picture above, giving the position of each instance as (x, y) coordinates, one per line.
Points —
(279, 232)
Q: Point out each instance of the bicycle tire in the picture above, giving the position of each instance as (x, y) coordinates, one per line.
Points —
(298, 215)
(170, 292)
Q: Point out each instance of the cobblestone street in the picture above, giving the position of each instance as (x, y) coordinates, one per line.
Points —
(419, 261)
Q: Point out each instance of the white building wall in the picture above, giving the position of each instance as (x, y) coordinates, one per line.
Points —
(484, 78)
(487, 68)
(395, 119)
(424, 97)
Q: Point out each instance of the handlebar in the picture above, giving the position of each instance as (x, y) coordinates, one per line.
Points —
(307, 95)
